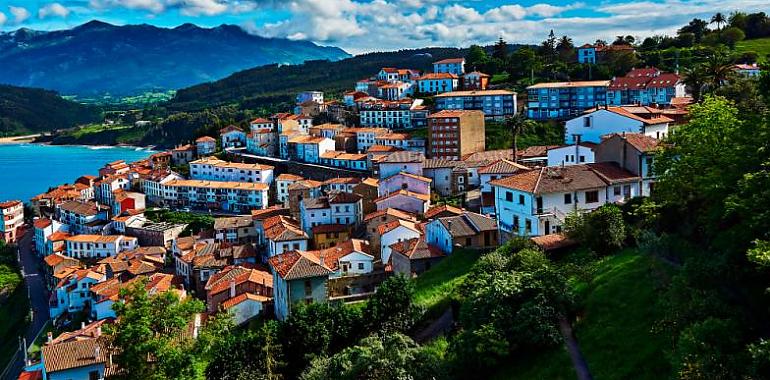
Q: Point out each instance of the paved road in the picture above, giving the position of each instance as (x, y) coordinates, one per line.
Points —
(38, 293)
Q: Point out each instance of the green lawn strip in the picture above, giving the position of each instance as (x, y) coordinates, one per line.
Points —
(435, 287)
(619, 311)
(760, 45)
(13, 321)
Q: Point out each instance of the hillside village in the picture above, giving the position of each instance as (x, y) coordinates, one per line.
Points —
(304, 213)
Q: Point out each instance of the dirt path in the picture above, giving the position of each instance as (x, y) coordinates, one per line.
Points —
(578, 361)
(438, 327)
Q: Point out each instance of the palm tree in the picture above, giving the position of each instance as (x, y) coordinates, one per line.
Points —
(517, 124)
(695, 79)
(718, 19)
(718, 69)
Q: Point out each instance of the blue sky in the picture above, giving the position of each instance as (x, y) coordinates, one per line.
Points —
(375, 25)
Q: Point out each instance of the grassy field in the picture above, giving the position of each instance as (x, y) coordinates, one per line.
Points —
(619, 311)
(13, 319)
(760, 45)
(434, 288)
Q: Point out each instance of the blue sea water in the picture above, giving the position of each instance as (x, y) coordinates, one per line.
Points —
(30, 169)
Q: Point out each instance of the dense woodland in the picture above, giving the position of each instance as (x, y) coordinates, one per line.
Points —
(31, 110)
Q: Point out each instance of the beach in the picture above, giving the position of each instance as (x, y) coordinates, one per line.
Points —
(18, 139)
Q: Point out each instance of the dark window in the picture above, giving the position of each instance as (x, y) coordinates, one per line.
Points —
(521, 199)
(616, 190)
(509, 196)
(567, 199)
(592, 196)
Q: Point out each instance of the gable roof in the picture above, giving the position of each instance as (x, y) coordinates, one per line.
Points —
(435, 210)
(467, 224)
(567, 178)
(392, 212)
(390, 226)
(75, 354)
(331, 256)
(503, 166)
(416, 249)
(294, 265)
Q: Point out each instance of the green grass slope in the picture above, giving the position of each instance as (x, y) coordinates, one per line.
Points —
(761, 46)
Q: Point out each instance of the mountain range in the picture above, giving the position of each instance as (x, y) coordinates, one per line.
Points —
(98, 58)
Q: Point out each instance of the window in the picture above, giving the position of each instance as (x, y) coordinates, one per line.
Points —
(528, 226)
(582, 158)
(308, 288)
(360, 266)
(587, 121)
(509, 196)
(516, 222)
(567, 199)
(592, 196)
(521, 199)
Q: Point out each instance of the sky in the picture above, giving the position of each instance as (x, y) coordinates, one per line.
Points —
(380, 25)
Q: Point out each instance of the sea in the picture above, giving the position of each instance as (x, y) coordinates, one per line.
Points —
(30, 169)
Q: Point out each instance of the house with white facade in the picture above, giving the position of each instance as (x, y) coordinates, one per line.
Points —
(73, 293)
(282, 183)
(214, 169)
(152, 185)
(83, 217)
(393, 232)
(44, 228)
(404, 181)
(220, 195)
(599, 121)
(284, 234)
(308, 148)
(536, 202)
(98, 246)
(582, 153)
(232, 137)
(337, 208)
(11, 218)
(349, 258)
(634, 152)
(394, 163)
(205, 145)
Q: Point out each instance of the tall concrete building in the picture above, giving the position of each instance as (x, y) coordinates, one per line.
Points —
(455, 133)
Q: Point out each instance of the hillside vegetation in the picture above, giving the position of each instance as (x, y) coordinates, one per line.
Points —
(33, 110)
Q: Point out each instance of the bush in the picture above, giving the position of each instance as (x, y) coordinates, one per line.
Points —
(602, 230)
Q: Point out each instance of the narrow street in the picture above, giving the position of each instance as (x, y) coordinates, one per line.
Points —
(35, 283)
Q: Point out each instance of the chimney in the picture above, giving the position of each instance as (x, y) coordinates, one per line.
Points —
(99, 331)
(50, 337)
(232, 288)
(82, 325)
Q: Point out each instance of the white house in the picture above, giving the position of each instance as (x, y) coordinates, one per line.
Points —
(468, 229)
(536, 202)
(282, 183)
(152, 185)
(221, 195)
(574, 154)
(394, 232)
(404, 181)
(82, 217)
(310, 96)
(44, 228)
(232, 137)
(394, 163)
(99, 246)
(349, 258)
(214, 169)
(454, 66)
(284, 234)
(337, 208)
(309, 148)
(600, 121)
(205, 145)
(73, 293)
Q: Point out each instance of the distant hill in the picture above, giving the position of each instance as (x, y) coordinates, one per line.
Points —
(273, 84)
(97, 58)
(33, 110)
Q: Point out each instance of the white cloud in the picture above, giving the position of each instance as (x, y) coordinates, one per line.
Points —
(20, 14)
(54, 10)
(3, 18)
(199, 7)
(154, 6)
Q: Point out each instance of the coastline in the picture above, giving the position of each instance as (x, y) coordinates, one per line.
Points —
(18, 139)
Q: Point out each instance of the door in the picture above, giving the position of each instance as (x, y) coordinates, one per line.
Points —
(539, 205)
(547, 227)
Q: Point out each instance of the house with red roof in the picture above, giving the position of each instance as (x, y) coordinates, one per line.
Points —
(232, 137)
(414, 256)
(435, 83)
(536, 202)
(234, 282)
(645, 86)
(298, 277)
(634, 152)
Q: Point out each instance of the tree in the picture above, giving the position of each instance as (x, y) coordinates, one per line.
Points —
(391, 308)
(151, 334)
(602, 230)
(697, 27)
(476, 56)
(516, 125)
(318, 330)
(695, 80)
(718, 68)
(731, 36)
(707, 350)
(566, 49)
(391, 356)
(248, 355)
(718, 19)
(501, 50)
(548, 48)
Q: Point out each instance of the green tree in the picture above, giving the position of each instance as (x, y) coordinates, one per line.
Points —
(695, 79)
(391, 308)
(391, 356)
(151, 334)
(707, 350)
(500, 51)
(718, 19)
(318, 330)
(731, 36)
(248, 355)
(602, 230)
(697, 27)
(476, 57)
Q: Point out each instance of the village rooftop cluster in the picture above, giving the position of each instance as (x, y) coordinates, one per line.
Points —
(309, 213)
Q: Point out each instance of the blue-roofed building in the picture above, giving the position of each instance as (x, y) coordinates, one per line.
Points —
(496, 104)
